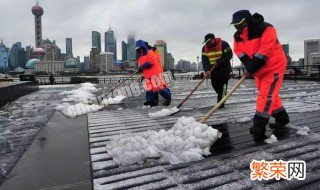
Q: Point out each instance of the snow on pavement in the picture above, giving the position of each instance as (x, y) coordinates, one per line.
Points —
(186, 141)
(164, 112)
(116, 100)
(81, 96)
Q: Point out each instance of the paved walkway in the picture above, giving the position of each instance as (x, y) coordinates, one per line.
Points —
(57, 159)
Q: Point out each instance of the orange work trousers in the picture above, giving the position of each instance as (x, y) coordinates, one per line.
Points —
(268, 101)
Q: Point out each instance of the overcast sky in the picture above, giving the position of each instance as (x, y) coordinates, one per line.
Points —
(181, 23)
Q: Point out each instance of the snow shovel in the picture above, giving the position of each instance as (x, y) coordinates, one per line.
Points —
(121, 83)
(204, 119)
(190, 94)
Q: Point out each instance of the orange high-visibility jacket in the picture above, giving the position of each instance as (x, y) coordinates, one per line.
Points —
(151, 58)
(261, 42)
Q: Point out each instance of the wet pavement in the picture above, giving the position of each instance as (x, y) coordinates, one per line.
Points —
(20, 122)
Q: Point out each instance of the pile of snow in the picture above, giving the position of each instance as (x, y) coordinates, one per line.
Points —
(164, 112)
(271, 139)
(302, 131)
(186, 141)
(81, 94)
(73, 111)
(116, 100)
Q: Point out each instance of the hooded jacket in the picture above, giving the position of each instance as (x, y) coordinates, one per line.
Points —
(145, 56)
(258, 45)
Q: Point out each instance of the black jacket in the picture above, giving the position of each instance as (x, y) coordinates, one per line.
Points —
(223, 68)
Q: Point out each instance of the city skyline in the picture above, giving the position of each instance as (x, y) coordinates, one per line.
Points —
(182, 30)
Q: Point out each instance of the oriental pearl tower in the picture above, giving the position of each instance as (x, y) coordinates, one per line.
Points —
(37, 11)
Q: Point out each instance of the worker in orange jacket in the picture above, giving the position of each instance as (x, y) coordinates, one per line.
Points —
(257, 46)
(147, 63)
(164, 86)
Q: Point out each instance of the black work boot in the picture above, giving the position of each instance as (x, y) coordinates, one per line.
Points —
(259, 128)
(151, 104)
(167, 102)
(282, 118)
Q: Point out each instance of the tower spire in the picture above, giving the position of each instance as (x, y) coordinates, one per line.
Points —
(37, 2)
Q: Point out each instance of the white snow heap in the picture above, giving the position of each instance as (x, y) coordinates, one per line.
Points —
(116, 100)
(79, 96)
(302, 131)
(163, 112)
(73, 111)
(186, 141)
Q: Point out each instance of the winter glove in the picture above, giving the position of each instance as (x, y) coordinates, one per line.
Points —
(245, 59)
(139, 69)
(147, 65)
(254, 65)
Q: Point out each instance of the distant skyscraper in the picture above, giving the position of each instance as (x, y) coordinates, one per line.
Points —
(29, 51)
(106, 62)
(69, 47)
(310, 46)
(52, 51)
(124, 50)
(131, 47)
(170, 61)
(285, 48)
(96, 40)
(86, 64)
(162, 49)
(110, 43)
(3, 56)
(94, 59)
(17, 56)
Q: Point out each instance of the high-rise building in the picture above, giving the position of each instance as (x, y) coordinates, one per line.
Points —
(131, 48)
(64, 57)
(94, 59)
(96, 40)
(124, 51)
(310, 46)
(29, 50)
(285, 48)
(194, 66)
(162, 49)
(17, 56)
(52, 51)
(69, 47)
(86, 64)
(170, 61)
(106, 62)
(37, 11)
(110, 43)
(3, 56)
